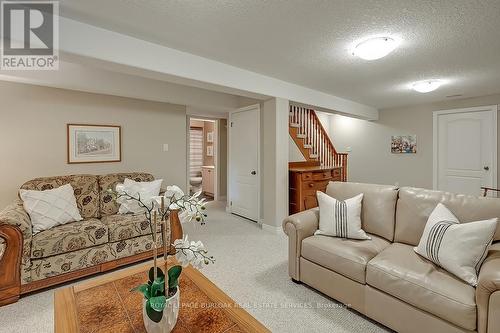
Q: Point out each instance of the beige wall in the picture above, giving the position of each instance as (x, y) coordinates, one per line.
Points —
(294, 154)
(33, 135)
(371, 160)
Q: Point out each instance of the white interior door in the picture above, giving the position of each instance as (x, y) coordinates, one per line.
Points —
(465, 149)
(244, 162)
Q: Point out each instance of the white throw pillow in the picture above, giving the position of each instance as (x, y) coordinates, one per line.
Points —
(50, 208)
(146, 191)
(459, 248)
(340, 218)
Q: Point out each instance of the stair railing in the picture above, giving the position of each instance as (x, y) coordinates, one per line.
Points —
(315, 138)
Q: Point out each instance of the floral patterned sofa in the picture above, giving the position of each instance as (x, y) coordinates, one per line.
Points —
(102, 241)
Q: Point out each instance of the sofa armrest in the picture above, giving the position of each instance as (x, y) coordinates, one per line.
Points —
(15, 215)
(298, 227)
(10, 263)
(488, 292)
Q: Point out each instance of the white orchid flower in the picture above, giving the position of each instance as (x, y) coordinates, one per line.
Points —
(189, 252)
(181, 242)
(173, 192)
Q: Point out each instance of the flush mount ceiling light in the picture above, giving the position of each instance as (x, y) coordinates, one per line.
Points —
(427, 85)
(374, 48)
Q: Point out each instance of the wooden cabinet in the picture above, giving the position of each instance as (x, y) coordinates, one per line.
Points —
(305, 181)
(207, 175)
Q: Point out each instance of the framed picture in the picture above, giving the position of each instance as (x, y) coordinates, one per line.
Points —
(404, 144)
(210, 137)
(93, 143)
(210, 151)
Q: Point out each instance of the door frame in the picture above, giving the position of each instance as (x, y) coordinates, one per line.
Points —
(216, 151)
(229, 164)
(435, 116)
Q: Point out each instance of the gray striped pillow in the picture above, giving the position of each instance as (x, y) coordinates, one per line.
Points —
(339, 218)
(459, 248)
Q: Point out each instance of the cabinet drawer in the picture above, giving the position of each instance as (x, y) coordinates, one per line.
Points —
(336, 172)
(315, 185)
(322, 175)
(307, 176)
(310, 202)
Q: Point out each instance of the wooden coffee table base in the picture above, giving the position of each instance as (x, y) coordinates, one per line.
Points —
(107, 305)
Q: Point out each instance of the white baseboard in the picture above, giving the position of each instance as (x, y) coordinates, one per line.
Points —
(272, 228)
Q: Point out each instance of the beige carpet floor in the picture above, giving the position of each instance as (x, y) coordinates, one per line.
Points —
(251, 267)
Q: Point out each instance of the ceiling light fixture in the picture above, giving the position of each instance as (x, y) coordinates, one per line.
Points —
(374, 48)
(427, 85)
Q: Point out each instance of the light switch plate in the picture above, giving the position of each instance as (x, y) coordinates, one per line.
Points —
(165, 147)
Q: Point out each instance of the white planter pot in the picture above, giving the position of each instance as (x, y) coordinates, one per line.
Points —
(169, 319)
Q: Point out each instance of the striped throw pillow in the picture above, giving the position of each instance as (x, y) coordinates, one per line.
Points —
(459, 248)
(340, 218)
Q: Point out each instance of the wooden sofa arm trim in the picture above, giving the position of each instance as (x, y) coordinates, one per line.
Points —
(10, 264)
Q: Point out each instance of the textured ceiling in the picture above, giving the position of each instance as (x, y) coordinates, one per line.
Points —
(307, 41)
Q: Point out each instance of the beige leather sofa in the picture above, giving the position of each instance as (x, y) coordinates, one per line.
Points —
(383, 278)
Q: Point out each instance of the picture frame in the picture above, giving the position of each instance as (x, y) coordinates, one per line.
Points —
(210, 137)
(210, 151)
(87, 143)
(404, 144)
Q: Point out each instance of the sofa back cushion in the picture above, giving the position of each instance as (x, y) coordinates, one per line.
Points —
(416, 204)
(107, 205)
(378, 207)
(85, 187)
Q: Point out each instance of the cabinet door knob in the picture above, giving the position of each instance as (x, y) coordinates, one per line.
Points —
(486, 168)
(253, 172)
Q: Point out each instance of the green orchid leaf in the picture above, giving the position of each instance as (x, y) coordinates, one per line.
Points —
(152, 314)
(158, 287)
(158, 303)
(151, 273)
(173, 276)
(144, 289)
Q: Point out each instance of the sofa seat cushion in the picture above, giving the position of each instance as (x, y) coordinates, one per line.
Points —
(402, 273)
(348, 257)
(68, 238)
(126, 226)
(96, 255)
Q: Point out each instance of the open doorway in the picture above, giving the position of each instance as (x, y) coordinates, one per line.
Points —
(203, 150)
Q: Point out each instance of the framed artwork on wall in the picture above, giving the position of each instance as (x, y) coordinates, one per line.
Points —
(93, 143)
(404, 144)
(210, 137)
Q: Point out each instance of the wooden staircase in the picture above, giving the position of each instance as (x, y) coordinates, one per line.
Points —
(313, 141)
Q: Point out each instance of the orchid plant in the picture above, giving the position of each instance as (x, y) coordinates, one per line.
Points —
(161, 287)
